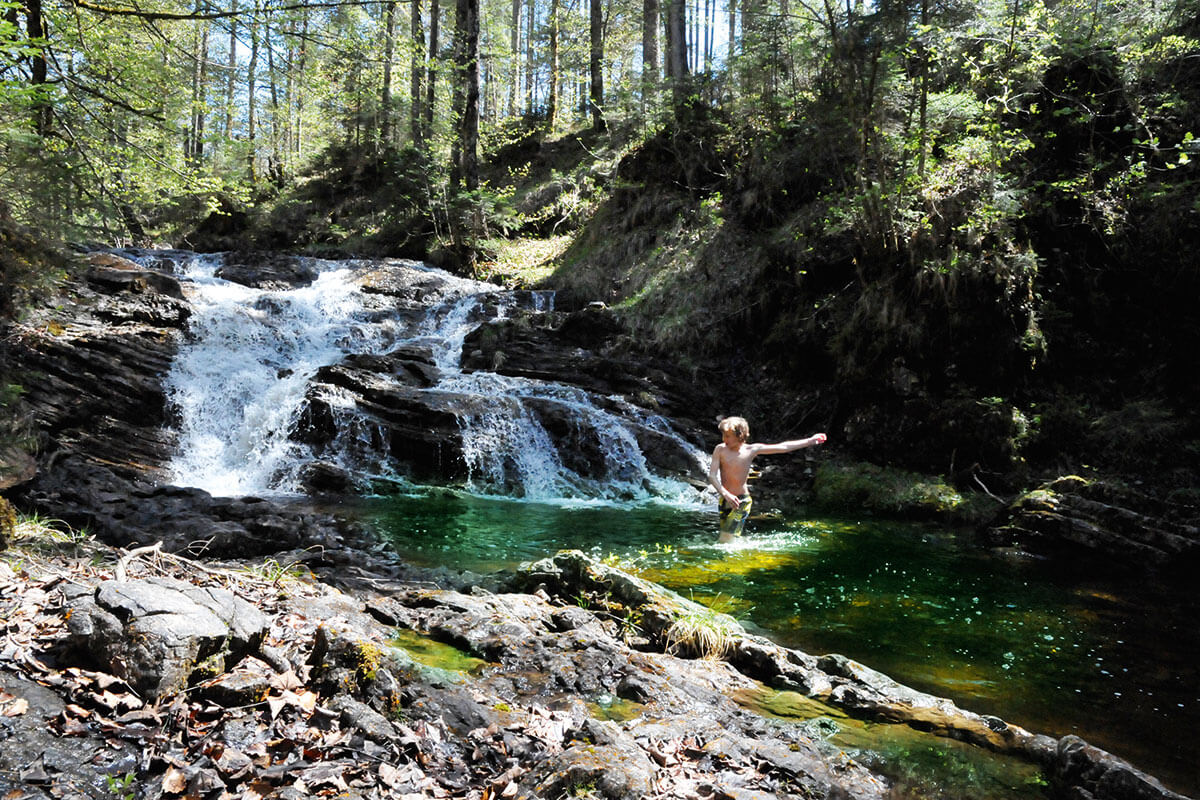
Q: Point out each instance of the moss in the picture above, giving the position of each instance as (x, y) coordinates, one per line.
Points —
(886, 491)
(8, 522)
(370, 657)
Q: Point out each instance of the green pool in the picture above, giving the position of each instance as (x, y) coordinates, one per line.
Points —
(1113, 658)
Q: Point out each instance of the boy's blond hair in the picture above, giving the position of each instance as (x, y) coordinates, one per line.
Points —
(736, 424)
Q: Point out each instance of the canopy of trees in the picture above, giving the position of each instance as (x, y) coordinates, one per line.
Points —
(120, 117)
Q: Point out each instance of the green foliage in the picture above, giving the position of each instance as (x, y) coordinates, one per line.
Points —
(120, 787)
(706, 632)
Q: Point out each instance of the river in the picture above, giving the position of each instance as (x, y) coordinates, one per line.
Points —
(1109, 657)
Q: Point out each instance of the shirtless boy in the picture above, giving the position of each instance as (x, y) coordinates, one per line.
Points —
(731, 466)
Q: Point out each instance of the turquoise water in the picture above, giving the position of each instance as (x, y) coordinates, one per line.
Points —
(1114, 659)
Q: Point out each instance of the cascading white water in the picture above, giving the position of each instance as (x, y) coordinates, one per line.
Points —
(239, 382)
(239, 385)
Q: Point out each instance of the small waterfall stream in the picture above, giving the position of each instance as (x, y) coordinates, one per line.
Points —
(240, 382)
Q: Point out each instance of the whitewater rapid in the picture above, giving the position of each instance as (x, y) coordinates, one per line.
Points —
(238, 386)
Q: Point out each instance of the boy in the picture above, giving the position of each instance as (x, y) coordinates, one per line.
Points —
(731, 466)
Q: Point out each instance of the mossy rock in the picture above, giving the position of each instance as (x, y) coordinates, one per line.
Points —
(858, 487)
(8, 522)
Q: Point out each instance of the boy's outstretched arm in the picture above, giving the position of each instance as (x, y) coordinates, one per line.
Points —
(787, 447)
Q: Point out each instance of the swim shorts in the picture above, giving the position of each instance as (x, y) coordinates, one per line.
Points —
(733, 520)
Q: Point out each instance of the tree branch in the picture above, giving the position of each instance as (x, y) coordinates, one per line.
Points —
(117, 11)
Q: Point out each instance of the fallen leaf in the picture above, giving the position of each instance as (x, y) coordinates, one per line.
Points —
(78, 711)
(18, 707)
(174, 781)
(35, 771)
(306, 701)
(286, 681)
(276, 704)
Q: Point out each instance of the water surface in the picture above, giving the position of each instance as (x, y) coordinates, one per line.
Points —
(1112, 658)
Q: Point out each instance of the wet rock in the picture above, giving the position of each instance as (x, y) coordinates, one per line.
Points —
(1089, 773)
(1072, 515)
(154, 633)
(114, 275)
(16, 466)
(271, 271)
(126, 512)
(322, 477)
(92, 369)
(580, 348)
(364, 719)
(619, 771)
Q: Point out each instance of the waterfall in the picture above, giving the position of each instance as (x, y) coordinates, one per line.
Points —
(240, 380)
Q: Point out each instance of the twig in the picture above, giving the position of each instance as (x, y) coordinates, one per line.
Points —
(120, 570)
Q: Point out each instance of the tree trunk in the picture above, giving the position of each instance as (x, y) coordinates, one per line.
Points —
(193, 146)
(515, 54)
(596, 65)
(230, 71)
(922, 138)
(677, 70)
(417, 31)
(530, 18)
(649, 51)
(301, 64)
(708, 35)
(385, 98)
(435, 13)
(275, 161)
(35, 26)
(466, 94)
(733, 6)
(552, 100)
(251, 100)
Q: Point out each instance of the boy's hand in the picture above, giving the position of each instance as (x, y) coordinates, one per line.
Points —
(818, 438)
(732, 499)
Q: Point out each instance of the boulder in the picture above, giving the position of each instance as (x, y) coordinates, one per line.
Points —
(271, 271)
(1098, 519)
(155, 633)
(125, 511)
(1083, 771)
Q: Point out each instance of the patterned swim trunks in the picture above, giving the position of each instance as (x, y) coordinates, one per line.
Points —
(733, 520)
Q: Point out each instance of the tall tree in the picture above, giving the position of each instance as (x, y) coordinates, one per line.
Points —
(193, 146)
(385, 94)
(35, 27)
(552, 100)
(435, 13)
(649, 51)
(252, 98)
(465, 170)
(677, 68)
(530, 56)
(417, 32)
(231, 71)
(596, 64)
(514, 78)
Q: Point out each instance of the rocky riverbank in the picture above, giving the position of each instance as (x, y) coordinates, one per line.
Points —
(211, 647)
(323, 672)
